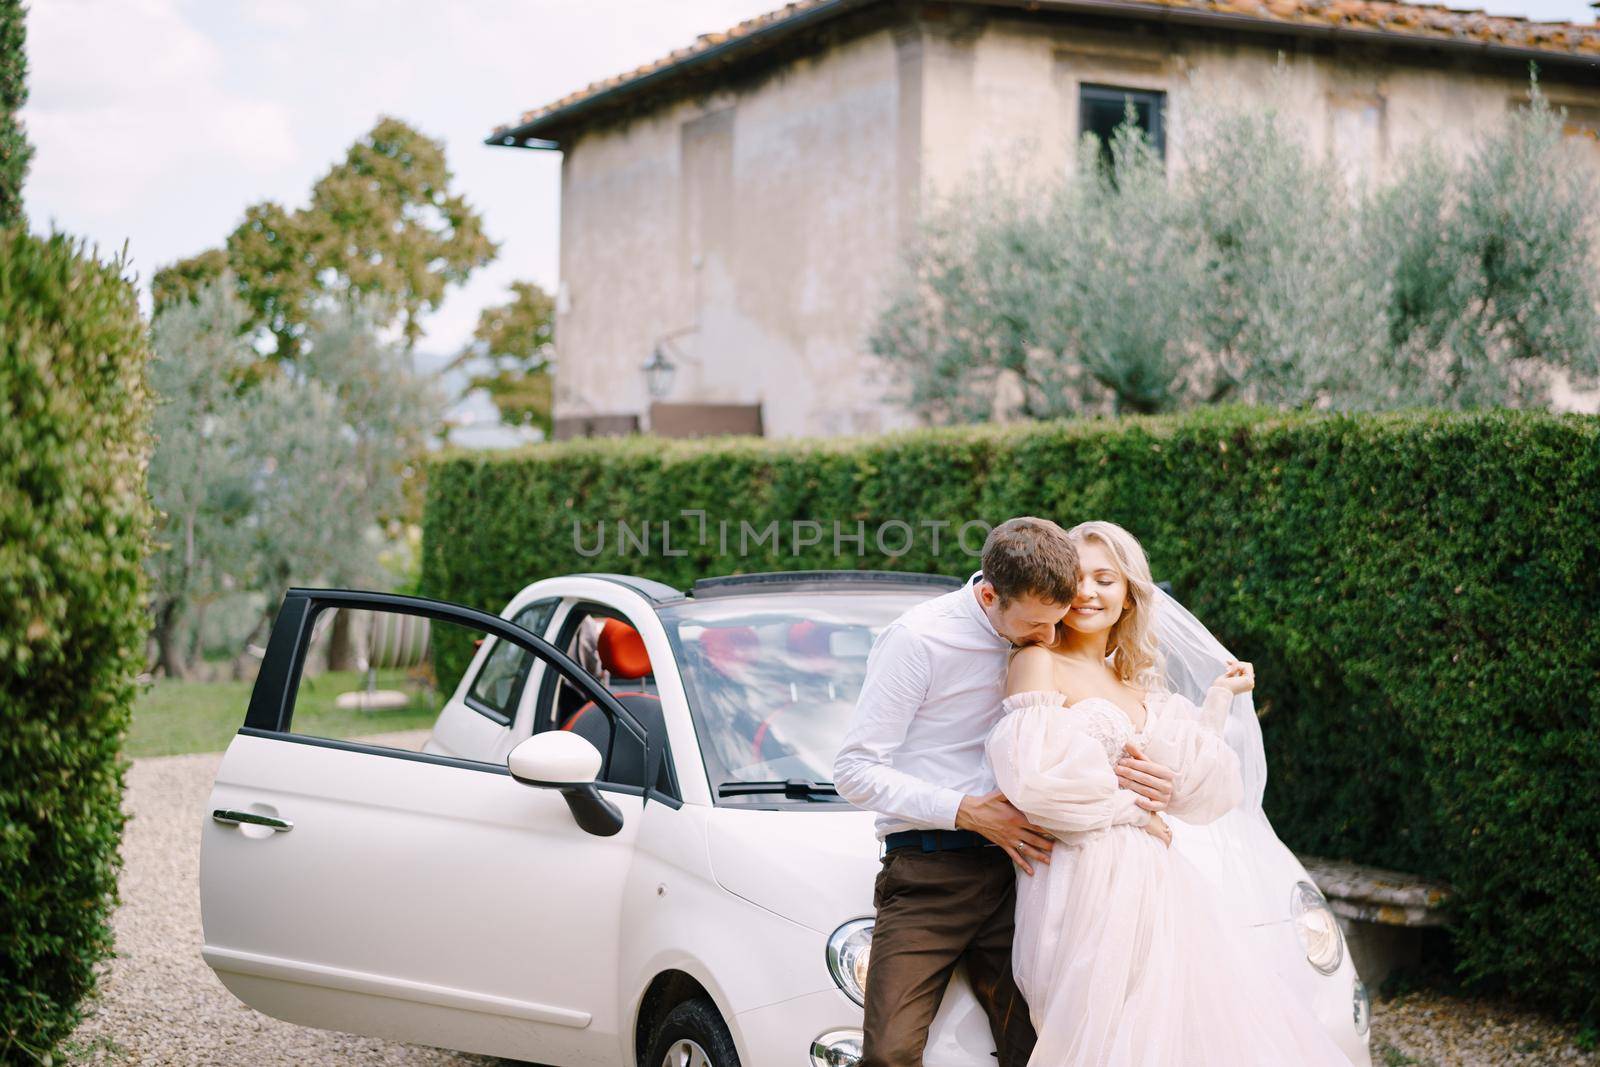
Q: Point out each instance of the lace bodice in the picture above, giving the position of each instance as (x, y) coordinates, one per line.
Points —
(1102, 719)
(1054, 760)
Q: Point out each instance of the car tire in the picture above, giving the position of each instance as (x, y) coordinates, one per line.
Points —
(691, 1035)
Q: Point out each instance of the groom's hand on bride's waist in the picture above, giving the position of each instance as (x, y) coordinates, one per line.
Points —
(995, 818)
(1149, 779)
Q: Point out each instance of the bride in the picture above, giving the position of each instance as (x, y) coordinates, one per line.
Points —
(1123, 953)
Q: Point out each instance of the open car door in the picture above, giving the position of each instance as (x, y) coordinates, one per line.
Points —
(357, 887)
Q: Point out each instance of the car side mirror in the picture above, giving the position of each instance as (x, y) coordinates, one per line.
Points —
(561, 760)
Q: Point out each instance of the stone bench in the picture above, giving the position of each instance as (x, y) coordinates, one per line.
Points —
(1382, 913)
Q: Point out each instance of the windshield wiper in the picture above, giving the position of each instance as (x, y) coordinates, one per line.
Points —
(793, 789)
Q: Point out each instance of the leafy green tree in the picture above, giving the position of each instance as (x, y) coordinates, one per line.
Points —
(382, 226)
(271, 257)
(387, 225)
(183, 281)
(513, 353)
(15, 152)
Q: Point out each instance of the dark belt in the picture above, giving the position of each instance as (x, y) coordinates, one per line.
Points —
(935, 840)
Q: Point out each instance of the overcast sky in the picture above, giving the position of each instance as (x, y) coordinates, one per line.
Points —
(156, 122)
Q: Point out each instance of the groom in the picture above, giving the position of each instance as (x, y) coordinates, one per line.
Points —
(914, 754)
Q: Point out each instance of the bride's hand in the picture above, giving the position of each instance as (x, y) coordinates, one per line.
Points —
(1240, 677)
(1157, 828)
(1153, 782)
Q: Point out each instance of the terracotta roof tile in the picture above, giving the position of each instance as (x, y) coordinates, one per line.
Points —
(1421, 22)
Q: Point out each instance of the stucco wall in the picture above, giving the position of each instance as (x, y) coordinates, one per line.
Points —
(758, 229)
(752, 228)
(1363, 106)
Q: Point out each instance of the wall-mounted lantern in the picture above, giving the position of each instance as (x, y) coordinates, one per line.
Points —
(658, 372)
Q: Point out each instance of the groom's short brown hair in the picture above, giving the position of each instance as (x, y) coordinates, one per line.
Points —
(1031, 556)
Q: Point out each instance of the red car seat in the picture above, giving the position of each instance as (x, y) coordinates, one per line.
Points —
(622, 654)
(622, 651)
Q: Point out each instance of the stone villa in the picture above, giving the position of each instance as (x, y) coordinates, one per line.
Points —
(730, 213)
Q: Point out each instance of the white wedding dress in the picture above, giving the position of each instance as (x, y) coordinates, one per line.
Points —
(1121, 951)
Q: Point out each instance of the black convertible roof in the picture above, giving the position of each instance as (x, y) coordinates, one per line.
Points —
(650, 589)
(808, 581)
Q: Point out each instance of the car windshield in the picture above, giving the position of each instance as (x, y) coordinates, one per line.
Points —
(772, 680)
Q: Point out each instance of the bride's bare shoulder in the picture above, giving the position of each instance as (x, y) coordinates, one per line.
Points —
(1031, 667)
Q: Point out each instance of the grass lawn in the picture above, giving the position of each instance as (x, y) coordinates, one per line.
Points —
(172, 717)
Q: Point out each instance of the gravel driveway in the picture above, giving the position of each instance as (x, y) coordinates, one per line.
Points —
(1428, 1029)
(160, 1004)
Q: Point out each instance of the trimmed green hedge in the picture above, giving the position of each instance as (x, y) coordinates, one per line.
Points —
(73, 522)
(1420, 593)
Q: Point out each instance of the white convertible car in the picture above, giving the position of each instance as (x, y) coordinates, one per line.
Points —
(644, 867)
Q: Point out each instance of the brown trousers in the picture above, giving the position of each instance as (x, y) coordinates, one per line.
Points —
(936, 909)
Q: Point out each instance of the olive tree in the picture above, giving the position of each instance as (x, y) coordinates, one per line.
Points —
(201, 468)
(1036, 303)
(1287, 314)
(290, 476)
(1255, 275)
(1491, 268)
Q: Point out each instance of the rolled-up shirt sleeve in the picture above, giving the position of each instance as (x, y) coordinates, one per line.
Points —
(898, 677)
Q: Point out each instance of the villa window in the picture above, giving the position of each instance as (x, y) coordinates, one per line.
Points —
(1102, 108)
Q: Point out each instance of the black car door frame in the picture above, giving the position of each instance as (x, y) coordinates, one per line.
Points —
(277, 684)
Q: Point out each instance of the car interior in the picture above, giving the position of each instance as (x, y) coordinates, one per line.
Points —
(778, 687)
(497, 689)
(610, 649)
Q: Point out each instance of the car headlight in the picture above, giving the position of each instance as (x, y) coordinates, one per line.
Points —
(840, 1048)
(1362, 1008)
(1317, 926)
(849, 952)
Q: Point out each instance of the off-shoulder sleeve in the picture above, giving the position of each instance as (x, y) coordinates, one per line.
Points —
(1208, 783)
(1043, 699)
(1211, 713)
(1053, 770)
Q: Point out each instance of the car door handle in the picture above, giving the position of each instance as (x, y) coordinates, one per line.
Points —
(233, 818)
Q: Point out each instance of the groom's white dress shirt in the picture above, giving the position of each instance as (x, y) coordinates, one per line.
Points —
(935, 680)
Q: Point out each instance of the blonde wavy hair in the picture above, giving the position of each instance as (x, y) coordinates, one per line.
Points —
(1134, 652)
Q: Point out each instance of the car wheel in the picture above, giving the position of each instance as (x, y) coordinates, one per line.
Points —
(692, 1035)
